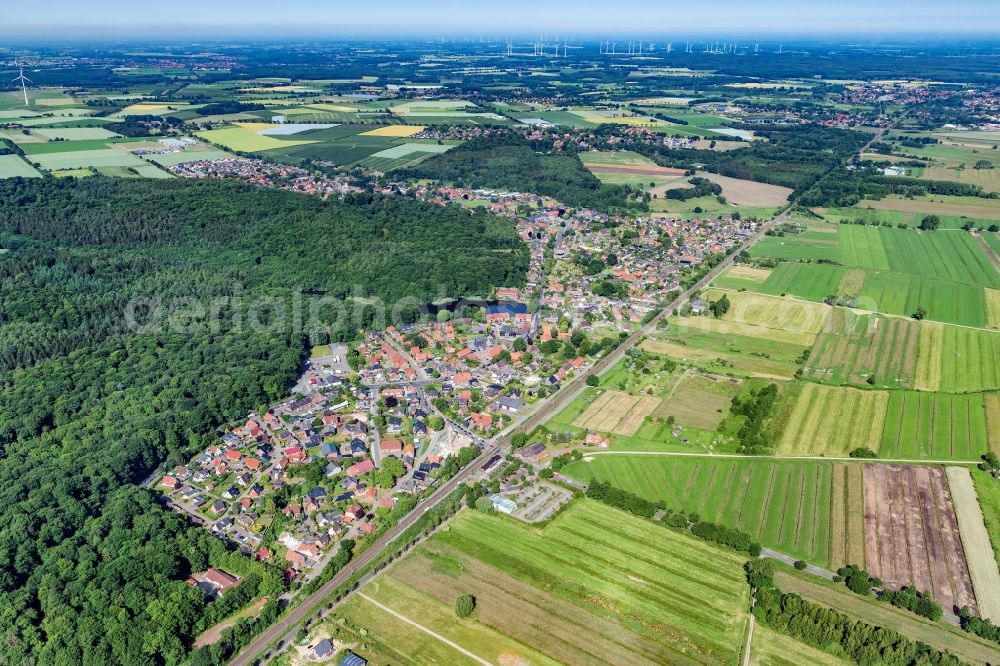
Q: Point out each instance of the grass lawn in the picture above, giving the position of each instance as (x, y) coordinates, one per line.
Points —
(595, 585)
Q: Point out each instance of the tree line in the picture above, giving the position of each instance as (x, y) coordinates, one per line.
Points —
(89, 406)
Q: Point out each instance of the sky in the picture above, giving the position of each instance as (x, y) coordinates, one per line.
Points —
(118, 19)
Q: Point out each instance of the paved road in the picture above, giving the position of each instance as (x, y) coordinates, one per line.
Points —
(290, 622)
(309, 605)
(577, 386)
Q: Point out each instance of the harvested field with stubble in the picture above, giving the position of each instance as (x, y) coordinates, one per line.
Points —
(749, 193)
(992, 298)
(864, 349)
(976, 543)
(847, 516)
(617, 412)
(929, 344)
(992, 404)
(834, 421)
(911, 533)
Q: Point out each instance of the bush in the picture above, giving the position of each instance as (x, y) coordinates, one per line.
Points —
(800, 564)
(592, 380)
(863, 452)
(464, 605)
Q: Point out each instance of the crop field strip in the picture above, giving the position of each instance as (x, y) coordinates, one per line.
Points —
(854, 347)
(671, 600)
(976, 543)
(933, 426)
(786, 504)
(847, 527)
(833, 421)
(911, 533)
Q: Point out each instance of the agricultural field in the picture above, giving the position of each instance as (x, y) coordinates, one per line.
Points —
(847, 516)
(976, 543)
(862, 349)
(777, 314)
(945, 255)
(967, 647)
(970, 360)
(402, 155)
(628, 168)
(739, 276)
(769, 648)
(635, 419)
(731, 348)
(245, 138)
(832, 421)
(911, 533)
(955, 158)
(749, 193)
(940, 204)
(699, 400)
(933, 426)
(805, 246)
(672, 599)
(784, 504)
(882, 291)
(909, 218)
(617, 413)
(12, 166)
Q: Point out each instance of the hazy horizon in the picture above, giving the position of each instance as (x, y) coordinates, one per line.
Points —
(255, 19)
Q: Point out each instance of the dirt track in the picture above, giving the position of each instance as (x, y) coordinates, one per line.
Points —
(911, 533)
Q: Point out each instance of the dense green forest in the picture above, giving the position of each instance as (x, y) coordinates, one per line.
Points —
(511, 163)
(846, 188)
(92, 569)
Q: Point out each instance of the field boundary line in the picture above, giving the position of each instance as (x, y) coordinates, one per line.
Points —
(400, 616)
(738, 456)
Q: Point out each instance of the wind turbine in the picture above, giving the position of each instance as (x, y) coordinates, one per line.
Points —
(23, 79)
